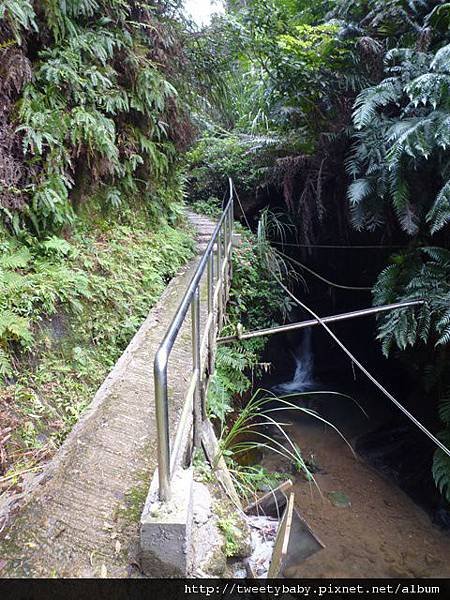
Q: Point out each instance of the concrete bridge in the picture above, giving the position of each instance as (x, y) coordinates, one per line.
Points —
(82, 515)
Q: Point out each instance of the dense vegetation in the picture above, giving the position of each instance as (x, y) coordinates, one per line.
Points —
(335, 114)
(89, 108)
(256, 301)
(338, 113)
(93, 118)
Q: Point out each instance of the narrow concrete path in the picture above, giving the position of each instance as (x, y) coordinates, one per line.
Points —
(81, 520)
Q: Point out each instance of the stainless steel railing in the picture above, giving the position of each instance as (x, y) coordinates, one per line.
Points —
(216, 262)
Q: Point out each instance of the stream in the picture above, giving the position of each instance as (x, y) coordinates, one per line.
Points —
(370, 527)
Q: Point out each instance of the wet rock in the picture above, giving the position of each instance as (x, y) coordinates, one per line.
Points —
(339, 499)
(216, 564)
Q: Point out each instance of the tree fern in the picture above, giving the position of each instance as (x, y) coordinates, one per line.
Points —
(370, 100)
(441, 60)
(404, 126)
(441, 466)
(358, 190)
(439, 213)
(423, 276)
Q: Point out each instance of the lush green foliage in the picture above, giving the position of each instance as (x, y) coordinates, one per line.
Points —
(416, 275)
(89, 106)
(93, 118)
(403, 126)
(68, 311)
(217, 157)
(441, 462)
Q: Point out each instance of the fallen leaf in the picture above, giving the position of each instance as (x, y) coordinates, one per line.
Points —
(103, 572)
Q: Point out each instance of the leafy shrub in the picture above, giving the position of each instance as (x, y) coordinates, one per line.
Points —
(92, 107)
(215, 158)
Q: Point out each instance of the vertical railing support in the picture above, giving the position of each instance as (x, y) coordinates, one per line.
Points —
(196, 366)
(221, 282)
(219, 253)
(211, 286)
(226, 229)
(231, 230)
(162, 423)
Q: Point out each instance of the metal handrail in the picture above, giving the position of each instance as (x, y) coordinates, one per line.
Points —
(219, 248)
(354, 314)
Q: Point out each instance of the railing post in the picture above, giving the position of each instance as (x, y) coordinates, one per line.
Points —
(211, 336)
(230, 268)
(226, 225)
(231, 238)
(219, 254)
(196, 360)
(222, 283)
(162, 424)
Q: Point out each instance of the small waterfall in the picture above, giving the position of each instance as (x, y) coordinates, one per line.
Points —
(303, 379)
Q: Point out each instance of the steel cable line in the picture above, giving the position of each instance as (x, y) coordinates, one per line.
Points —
(355, 361)
(404, 410)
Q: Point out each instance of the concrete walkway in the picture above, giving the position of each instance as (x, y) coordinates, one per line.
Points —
(81, 520)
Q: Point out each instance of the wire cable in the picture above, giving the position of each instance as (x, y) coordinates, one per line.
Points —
(405, 411)
(338, 246)
(355, 361)
(240, 206)
(327, 281)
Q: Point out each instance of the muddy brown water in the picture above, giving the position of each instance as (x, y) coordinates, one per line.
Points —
(382, 533)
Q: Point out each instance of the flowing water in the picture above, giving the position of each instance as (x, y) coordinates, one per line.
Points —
(369, 526)
(303, 377)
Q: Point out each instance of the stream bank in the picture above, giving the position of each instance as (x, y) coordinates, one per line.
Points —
(370, 527)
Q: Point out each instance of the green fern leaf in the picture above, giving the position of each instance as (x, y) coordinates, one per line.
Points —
(441, 467)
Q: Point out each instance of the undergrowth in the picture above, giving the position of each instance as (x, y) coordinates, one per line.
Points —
(69, 308)
(255, 302)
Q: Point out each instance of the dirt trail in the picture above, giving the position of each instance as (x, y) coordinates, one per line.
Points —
(383, 533)
(81, 518)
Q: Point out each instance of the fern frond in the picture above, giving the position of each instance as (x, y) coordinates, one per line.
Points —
(17, 260)
(20, 15)
(15, 327)
(444, 411)
(430, 88)
(441, 60)
(439, 214)
(370, 100)
(441, 467)
(359, 190)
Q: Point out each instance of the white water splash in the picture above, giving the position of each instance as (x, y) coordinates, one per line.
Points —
(303, 379)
